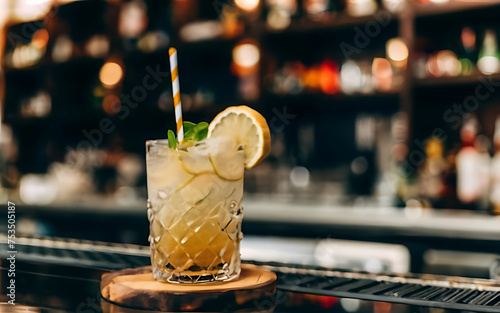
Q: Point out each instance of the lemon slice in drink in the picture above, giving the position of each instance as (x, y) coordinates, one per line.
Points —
(248, 128)
(194, 164)
(228, 166)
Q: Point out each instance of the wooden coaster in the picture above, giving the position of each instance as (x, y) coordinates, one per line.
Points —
(136, 288)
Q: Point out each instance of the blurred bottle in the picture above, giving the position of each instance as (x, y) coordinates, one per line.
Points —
(449, 192)
(467, 52)
(329, 80)
(279, 13)
(483, 145)
(361, 7)
(488, 62)
(431, 172)
(319, 9)
(469, 164)
(495, 171)
(363, 169)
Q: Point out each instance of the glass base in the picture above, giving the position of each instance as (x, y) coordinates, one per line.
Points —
(194, 277)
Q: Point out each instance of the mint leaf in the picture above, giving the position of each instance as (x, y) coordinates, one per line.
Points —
(189, 131)
(201, 131)
(172, 141)
(192, 132)
(188, 126)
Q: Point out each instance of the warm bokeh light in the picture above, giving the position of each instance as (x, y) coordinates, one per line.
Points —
(63, 49)
(382, 72)
(397, 51)
(25, 56)
(394, 6)
(278, 19)
(202, 30)
(361, 7)
(40, 39)
(30, 10)
(38, 105)
(468, 38)
(432, 66)
(133, 19)
(247, 5)
(315, 8)
(246, 55)
(111, 73)
(448, 63)
(152, 41)
(97, 46)
(329, 80)
(111, 104)
(311, 79)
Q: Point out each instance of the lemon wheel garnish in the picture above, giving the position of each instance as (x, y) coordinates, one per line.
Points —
(248, 128)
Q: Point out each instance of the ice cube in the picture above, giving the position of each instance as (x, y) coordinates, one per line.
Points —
(213, 146)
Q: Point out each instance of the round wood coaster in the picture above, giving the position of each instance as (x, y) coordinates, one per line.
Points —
(136, 288)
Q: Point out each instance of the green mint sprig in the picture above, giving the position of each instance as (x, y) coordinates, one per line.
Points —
(192, 132)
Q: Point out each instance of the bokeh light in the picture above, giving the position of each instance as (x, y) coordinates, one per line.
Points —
(329, 80)
(111, 104)
(39, 105)
(111, 74)
(30, 10)
(97, 46)
(394, 6)
(25, 56)
(448, 63)
(152, 41)
(63, 49)
(361, 7)
(397, 51)
(488, 65)
(382, 72)
(247, 5)
(37, 189)
(467, 66)
(350, 77)
(40, 39)
(468, 38)
(133, 19)
(299, 176)
(278, 19)
(246, 55)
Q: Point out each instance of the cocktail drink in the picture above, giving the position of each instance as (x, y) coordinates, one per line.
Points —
(195, 210)
(195, 190)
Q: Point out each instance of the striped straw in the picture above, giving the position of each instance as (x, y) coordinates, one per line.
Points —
(174, 71)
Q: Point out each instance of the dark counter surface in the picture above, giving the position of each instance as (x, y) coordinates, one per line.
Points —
(63, 275)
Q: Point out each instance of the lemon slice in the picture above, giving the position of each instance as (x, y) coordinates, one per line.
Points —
(248, 128)
(228, 166)
(195, 165)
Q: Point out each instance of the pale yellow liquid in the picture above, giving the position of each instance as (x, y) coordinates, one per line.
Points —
(195, 215)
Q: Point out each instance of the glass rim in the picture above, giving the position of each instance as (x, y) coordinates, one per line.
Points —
(158, 142)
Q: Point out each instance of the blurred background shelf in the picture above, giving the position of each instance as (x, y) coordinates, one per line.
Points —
(353, 93)
(474, 79)
(450, 8)
(339, 21)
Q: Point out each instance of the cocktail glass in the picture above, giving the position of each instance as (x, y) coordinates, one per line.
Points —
(194, 210)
